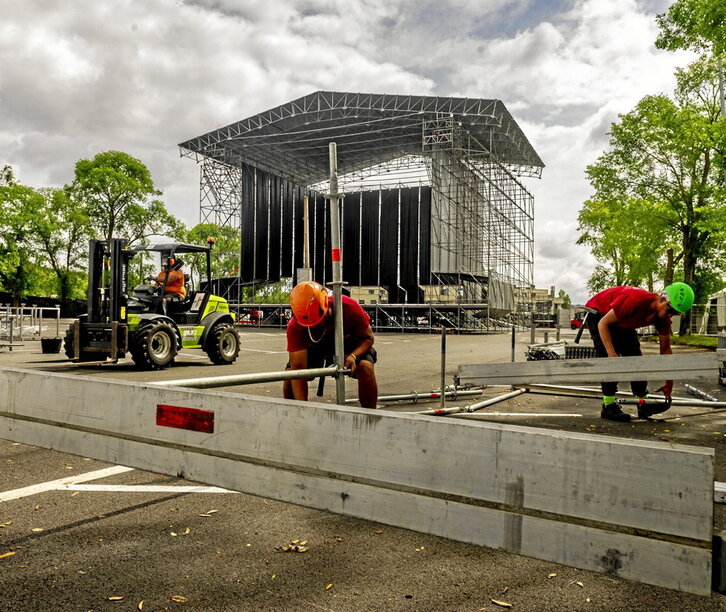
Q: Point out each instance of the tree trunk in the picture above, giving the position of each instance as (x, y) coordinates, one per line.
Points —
(668, 279)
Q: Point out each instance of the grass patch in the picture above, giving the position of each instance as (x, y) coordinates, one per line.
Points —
(694, 340)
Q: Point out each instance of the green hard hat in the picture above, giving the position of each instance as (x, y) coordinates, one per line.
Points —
(680, 296)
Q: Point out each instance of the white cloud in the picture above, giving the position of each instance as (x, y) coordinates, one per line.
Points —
(82, 77)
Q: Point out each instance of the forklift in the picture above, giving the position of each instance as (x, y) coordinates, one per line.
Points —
(140, 321)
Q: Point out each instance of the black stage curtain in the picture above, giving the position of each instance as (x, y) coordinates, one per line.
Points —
(351, 238)
(272, 234)
(262, 219)
(273, 249)
(369, 238)
(424, 256)
(247, 223)
(389, 243)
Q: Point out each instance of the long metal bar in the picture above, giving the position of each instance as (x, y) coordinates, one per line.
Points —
(473, 407)
(246, 379)
(650, 367)
(337, 264)
(415, 396)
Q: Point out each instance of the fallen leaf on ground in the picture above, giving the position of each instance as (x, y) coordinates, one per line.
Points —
(141, 605)
(173, 533)
(505, 590)
(580, 585)
(7, 554)
(178, 598)
(551, 575)
(328, 586)
(116, 598)
(379, 530)
(187, 531)
(502, 604)
(37, 529)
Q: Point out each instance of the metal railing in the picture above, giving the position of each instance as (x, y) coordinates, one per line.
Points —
(28, 322)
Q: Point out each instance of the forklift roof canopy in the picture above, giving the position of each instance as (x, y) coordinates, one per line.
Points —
(171, 248)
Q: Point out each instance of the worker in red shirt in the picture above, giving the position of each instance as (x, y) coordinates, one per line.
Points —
(619, 312)
(311, 341)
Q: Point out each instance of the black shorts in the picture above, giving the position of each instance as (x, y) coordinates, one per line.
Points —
(320, 356)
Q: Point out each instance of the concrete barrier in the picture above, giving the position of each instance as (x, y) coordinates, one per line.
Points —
(633, 509)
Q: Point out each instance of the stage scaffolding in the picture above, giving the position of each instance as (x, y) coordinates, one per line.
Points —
(469, 153)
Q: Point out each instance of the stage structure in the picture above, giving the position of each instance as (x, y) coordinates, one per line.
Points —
(437, 227)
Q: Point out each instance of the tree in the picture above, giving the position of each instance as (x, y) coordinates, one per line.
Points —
(19, 207)
(225, 252)
(61, 235)
(664, 168)
(699, 25)
(626, 233)
(566, 302)
(117, 190)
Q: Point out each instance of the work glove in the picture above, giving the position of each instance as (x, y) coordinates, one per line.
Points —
(667, 389)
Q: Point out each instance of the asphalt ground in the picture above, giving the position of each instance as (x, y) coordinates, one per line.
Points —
(100, 546)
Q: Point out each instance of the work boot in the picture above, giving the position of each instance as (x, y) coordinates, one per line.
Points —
(613, 412)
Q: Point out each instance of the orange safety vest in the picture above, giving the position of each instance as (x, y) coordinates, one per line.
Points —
(175, 284)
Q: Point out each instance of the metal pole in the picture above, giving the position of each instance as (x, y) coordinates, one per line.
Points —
(443, 366)
(246, 379)
(472, 407)
(337, 261)
(306, 234)
(415, 397)
(514, 334)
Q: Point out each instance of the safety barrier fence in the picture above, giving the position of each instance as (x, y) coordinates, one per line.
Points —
(641, 510)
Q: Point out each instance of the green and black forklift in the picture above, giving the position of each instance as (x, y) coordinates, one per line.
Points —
(140, 321)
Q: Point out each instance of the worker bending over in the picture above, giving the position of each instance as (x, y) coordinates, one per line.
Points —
(311, 341)
(619, 312)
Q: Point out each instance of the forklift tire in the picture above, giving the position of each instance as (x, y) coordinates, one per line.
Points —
(222, 345)
(68, 346)
(154, 346)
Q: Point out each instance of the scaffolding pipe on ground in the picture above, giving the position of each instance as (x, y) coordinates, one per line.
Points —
(472, 407)
(415, 396)
(587, 393)
(247, 379)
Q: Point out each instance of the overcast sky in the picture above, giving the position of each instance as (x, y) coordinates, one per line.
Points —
(78, 77)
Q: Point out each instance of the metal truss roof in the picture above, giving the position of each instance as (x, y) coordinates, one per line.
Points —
(292, 140)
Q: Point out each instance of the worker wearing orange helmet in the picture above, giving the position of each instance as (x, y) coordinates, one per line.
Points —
(614, 316)
(311, 341)
(171, 280)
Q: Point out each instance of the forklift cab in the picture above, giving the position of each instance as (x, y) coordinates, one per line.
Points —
(150, 297)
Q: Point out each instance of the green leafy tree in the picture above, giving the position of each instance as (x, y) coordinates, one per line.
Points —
(20, 206)
(626, 233)
(566, 301)
(225, 251)
(61, 235)
(119, 196)
(699, 25)
(666, 160)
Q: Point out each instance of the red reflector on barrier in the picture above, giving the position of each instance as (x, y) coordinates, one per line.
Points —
(179, 417)
(335, 254)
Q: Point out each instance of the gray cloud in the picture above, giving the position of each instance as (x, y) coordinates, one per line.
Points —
(87, 76)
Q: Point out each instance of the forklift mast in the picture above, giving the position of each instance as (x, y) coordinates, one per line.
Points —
(107, 302)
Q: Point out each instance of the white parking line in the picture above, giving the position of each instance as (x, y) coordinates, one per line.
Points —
(62, 483)
(146, 488)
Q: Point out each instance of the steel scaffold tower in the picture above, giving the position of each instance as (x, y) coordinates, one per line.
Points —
(470, 152)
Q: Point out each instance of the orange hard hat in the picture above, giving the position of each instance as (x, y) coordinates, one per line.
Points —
(309, 303)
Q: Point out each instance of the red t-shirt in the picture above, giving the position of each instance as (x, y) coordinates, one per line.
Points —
(632, 306)
(355, 324)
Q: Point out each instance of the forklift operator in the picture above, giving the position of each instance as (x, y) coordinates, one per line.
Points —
(171, 279)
